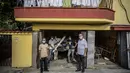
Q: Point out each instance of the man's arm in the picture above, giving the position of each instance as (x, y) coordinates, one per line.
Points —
(48, 49)
(86, 48)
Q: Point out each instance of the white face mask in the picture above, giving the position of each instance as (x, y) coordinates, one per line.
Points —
(43, 41)
(69, 38)
(81, 37)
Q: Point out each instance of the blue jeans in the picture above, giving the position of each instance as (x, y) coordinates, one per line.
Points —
(51, 55)
(43, 62)
(70, 53)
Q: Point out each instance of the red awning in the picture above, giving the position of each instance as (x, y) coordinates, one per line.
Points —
(120, 27)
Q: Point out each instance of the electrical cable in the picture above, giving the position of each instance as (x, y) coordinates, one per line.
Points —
(121, 4)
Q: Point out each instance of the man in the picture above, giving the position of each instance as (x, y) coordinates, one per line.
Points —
(56, 40)
(81, 52)
(51, 43)
(70, 49)
(44, 53)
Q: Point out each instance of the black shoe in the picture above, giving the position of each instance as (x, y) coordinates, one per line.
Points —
(77, 70)
(85, 67)
(82, 71)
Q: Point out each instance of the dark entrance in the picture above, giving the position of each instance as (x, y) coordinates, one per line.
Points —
(5, 50)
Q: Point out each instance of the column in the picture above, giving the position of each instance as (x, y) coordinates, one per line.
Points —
(91, 48)
(123, 50)
(34, 48)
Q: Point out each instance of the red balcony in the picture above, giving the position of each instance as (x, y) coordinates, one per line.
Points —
(101, 15)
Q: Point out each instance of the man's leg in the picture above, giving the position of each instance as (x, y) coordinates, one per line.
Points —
(69, 52)
(50, 55)
(41, 65)
(55, 55)
(45, 64)
(82, 61)
(85, 62)
(78, 63)
(72, 54)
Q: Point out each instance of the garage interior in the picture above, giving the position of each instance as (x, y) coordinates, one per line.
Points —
(106, 48)
(60, 34)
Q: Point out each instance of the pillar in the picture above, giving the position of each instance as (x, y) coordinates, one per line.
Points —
(91, 48)
(34, 49)
(123, 57)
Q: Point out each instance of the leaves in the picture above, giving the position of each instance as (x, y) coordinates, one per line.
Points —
(7, 20)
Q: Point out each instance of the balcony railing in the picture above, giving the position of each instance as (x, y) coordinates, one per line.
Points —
(66, 3)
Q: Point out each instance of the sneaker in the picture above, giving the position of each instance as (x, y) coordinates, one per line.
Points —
(77, 70)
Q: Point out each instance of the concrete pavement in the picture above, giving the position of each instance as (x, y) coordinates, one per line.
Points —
(69, 70)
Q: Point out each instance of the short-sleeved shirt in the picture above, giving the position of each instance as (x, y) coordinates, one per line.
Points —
(43, 50)
(82, 45)
(52, 43)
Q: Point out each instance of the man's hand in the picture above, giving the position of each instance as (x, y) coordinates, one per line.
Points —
(85, 51)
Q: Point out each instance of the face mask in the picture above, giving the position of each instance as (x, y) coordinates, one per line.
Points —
(69, 38)
(81, 37)
(43, 42)
(51, 38)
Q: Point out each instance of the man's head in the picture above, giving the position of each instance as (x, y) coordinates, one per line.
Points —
(80, 36)
(69, 37)
(44, 41)
(52, 38)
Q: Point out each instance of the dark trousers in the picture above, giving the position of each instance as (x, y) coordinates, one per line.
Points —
(85, 62)
(44, 62)
(81, 64)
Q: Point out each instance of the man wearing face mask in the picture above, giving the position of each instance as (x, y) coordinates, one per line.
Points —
(44, 53)
(51, 48)
(70, 50)
(81, 52)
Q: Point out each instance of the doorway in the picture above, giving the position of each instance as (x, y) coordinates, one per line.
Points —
(106, 50)
(62, 62)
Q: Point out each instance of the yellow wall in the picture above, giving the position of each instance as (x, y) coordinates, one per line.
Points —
(22, 50)
(70, 27)
(120, 17)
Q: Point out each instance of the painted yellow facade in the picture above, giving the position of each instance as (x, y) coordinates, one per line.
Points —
(22, 50)
(120, 17)
(70, 27)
